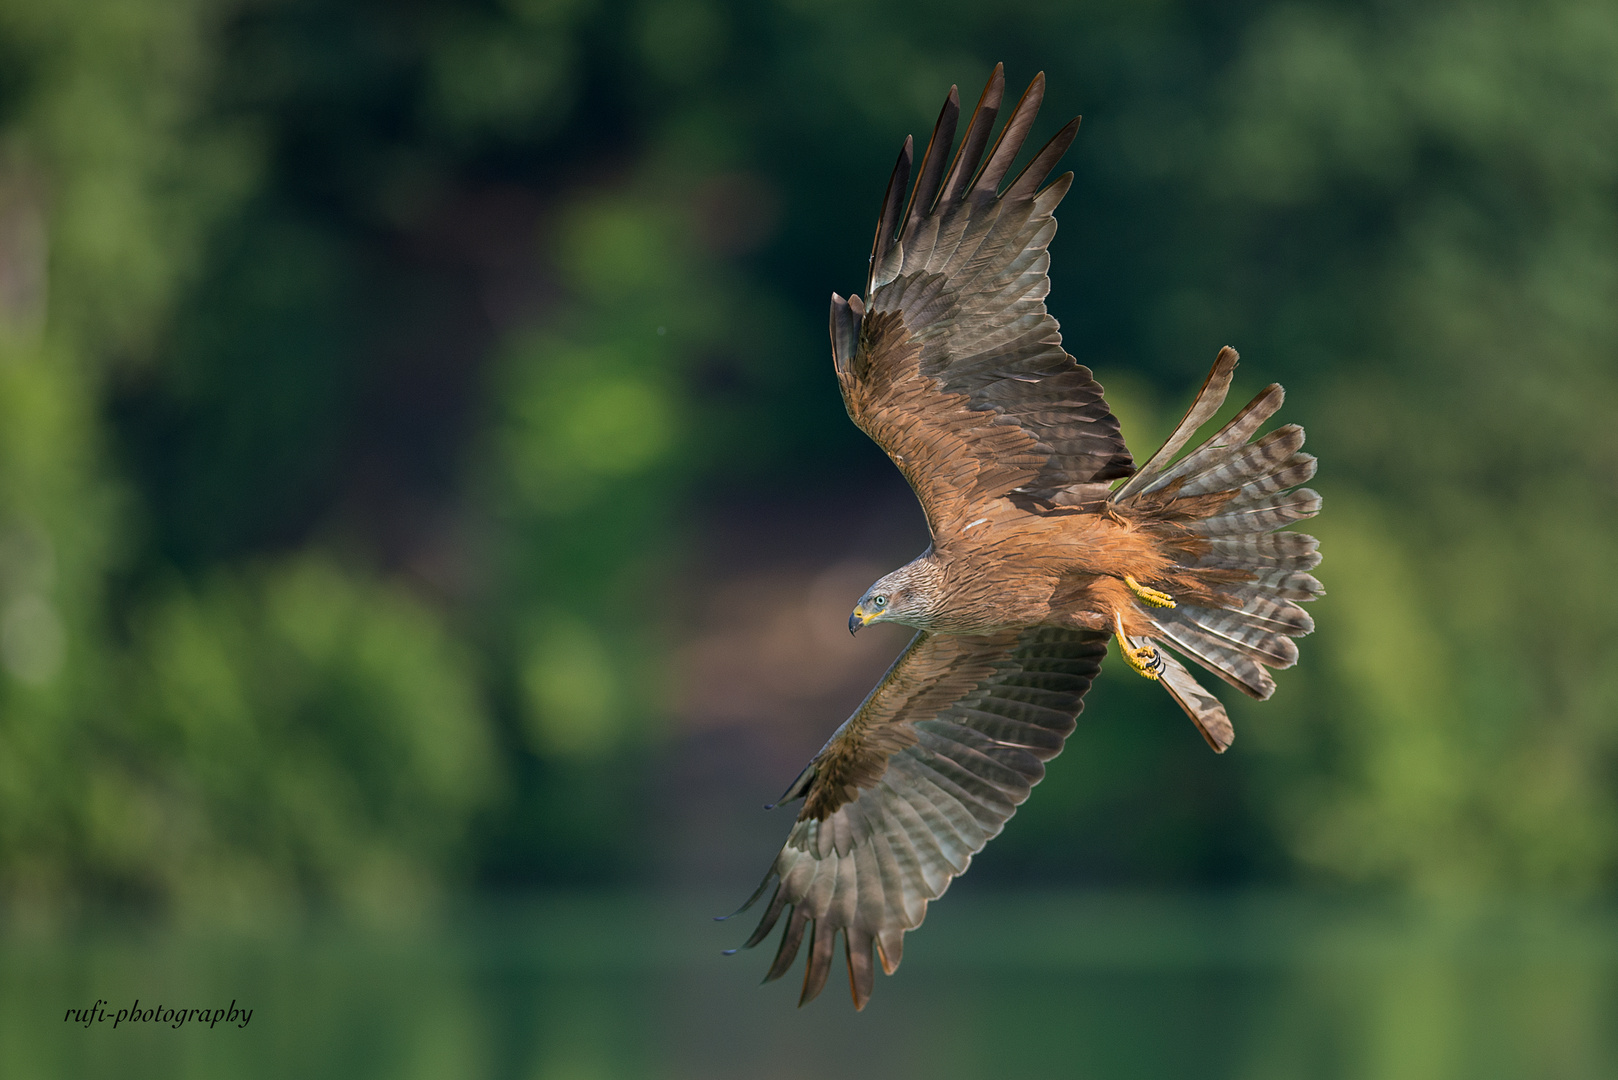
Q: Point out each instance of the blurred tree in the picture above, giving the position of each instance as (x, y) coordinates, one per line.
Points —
(106, 192)
(1459, 164)
(361, 365)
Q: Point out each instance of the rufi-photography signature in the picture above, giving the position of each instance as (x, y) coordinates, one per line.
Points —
(98, 1013)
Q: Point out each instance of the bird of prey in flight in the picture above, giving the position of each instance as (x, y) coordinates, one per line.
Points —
(954, 367)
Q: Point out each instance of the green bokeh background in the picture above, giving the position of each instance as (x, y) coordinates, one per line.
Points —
(376, 378)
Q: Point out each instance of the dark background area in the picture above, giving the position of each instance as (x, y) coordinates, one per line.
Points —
(421, 473)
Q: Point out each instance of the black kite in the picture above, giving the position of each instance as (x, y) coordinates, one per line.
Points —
(954, 367)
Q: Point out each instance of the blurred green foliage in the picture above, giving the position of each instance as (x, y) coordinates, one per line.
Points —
(361, 365)
(1126, 986)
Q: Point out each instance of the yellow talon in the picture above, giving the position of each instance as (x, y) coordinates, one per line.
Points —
(1145, 659)
(1151, 596)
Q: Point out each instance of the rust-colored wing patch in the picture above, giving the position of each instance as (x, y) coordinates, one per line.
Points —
(955, 456)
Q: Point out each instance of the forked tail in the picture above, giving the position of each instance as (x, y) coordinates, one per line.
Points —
(1248, 576)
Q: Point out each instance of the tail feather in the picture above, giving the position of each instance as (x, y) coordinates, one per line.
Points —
(1208, 400)
(1248, 465)
(1283, 584)
(1229, 495)
(1233, 665)
(1274, 612)
(1245, 463)
(1232, 630)
(1273, 551)
(1202, 707)
(1299, 469)
(1260, 515)
(1235, 433)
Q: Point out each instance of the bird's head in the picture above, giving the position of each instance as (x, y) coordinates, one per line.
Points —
(903, 596)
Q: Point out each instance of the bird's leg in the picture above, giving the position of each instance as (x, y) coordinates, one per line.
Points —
(1143, 658)
(1151, 596)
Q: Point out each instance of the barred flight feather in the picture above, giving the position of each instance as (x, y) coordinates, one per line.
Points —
(1012, 134)
(872, 865)
(1273, 611)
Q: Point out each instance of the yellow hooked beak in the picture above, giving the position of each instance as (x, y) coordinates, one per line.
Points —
(860, 618)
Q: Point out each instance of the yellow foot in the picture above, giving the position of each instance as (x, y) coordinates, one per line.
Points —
(1151, 596)
(1145, 659)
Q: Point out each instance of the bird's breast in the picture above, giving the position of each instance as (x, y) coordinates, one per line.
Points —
(992, 588)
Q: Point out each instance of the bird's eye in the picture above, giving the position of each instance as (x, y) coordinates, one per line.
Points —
(879, 601)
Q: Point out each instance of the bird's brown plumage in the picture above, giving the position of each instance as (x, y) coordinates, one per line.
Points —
(957, 371)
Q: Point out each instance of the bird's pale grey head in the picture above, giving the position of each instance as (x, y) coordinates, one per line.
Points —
(904, 596)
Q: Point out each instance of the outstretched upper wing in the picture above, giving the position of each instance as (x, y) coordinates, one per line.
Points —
(954, 366)
(923, 774)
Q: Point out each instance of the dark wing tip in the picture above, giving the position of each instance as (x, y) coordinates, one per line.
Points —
(822, 945)
(970, 152)
(1034, 173)
(791, 939)
(931, 174)
(861, 972)
(751, 900)
(890, 948)
(892, 201)
(1012, 136)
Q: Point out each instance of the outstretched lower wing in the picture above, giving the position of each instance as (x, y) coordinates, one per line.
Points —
(953, 365)
(924, 773)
